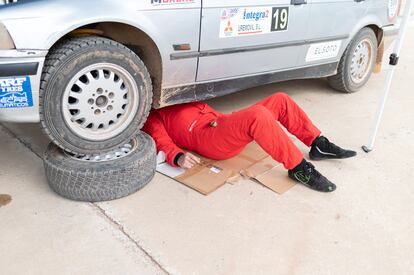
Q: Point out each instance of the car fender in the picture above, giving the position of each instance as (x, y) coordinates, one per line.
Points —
(41, 31)
(368, 20)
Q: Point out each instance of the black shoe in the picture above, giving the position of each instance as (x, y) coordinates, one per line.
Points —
(306, 174)
(322, 148)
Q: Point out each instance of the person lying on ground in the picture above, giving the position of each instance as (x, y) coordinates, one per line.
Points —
(199, 128)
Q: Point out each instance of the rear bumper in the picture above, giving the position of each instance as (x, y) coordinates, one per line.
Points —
(18, 64)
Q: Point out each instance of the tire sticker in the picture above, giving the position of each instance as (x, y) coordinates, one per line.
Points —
(325, 50)
(16, 92)
(236, 22)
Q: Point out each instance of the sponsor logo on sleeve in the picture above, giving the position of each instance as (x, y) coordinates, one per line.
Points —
(15, 92)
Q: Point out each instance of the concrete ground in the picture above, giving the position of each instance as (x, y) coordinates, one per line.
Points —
(365, 227)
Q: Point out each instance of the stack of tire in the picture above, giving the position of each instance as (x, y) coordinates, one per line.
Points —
(95, 96)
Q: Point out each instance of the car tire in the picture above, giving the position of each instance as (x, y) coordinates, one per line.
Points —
(357, 63)
(101, 178)
(95, 94)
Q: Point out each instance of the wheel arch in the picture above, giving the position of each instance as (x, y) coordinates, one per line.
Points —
(379, 32)
(132, 37)
(371, 21)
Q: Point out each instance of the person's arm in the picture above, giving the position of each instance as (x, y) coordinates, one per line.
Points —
(155, 128)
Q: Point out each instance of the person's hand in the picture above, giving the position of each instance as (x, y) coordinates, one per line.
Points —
(188, 161)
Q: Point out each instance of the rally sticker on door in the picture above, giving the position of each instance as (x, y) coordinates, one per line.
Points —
(236, 22)
(325, 50)
(393, 9)
(15, 92)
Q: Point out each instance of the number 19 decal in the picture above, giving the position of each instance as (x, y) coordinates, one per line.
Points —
(280, 19)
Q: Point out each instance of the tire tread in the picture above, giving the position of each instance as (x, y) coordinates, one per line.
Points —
(77, 180)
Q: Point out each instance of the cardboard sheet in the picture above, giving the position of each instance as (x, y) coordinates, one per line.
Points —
(252, 163)
(205, 179)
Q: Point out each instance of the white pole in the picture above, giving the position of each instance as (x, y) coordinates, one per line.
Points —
(396, 53)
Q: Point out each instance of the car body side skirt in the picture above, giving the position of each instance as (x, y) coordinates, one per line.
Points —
(207, 90)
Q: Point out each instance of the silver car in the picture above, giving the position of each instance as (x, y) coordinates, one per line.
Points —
(90, 71)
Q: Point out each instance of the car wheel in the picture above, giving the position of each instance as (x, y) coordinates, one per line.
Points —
(357, 63)
(102, 177)
(95, 95)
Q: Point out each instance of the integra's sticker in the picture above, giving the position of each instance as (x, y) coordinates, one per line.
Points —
(236, 22)
(15, 92)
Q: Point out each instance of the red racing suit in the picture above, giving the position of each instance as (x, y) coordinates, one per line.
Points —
(199, 128)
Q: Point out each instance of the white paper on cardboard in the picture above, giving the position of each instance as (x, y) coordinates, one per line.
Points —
(166, 169)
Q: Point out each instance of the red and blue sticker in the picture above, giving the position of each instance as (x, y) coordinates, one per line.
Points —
(16, 92)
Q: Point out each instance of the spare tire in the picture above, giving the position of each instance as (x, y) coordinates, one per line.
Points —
(94, 178)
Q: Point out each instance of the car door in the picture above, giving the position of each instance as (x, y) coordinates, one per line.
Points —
(330, 26)
(176, 25)
(246, 37)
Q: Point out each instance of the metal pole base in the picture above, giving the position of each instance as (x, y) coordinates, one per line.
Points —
(366, 149)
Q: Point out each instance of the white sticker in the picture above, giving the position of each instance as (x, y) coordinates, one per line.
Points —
(215, 170)
(325, 50)
(393, 9)
(247, 21)
(171, 2)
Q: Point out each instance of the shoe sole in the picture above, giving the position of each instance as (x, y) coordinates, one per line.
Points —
(312, 188)
(322, 191)
(329, 157)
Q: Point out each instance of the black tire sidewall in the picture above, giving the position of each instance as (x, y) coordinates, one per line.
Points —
(66, 70)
